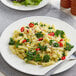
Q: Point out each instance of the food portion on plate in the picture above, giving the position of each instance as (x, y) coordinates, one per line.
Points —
(27, 2)
(40, 44)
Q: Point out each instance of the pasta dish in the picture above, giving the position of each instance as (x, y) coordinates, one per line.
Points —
(40, 44)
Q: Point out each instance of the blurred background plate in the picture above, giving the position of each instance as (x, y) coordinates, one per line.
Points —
(22, 7)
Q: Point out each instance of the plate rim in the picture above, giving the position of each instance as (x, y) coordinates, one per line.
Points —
(25, 18)
(23, 9)
(65, 69)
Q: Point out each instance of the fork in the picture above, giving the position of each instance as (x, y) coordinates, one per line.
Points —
(72, 57)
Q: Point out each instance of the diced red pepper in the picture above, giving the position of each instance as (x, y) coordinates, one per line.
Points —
(60, 44)
(22, 29)
(24, 41)
(61, 39)
(37, 49)
(31, 25)
(28, 31)
(40, 39)
(52, 34)
(63, 58)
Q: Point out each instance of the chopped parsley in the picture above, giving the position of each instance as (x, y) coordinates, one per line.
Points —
(17, 43)
(42, 25)
(20, 34)
(34, 53)
(39, 34)
(11, 42)
(56, 45)
(59, 32)
(50, 27)
(27, 40)
(42, 48)
(63, 53)
(68, 46)
(62, 34)
(59, 59)
(27, 27)
(51, 42)
(46, 58)
(35, 23)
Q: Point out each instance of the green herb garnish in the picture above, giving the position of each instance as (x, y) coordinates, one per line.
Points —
(27, 27)
(50, 27)
(17, 43)
(42, 25)
(59, 59)
(34, 53)
(62, 34)
(63, 53)
(59, 32)
(51, 42)
(11, 42)
(30, 55)
(68, 46)
(33, 56)
(35, 23)
(20, 34)
(27, 40)
(56, 45)
(39, 34)
(38, 58)
(42, 48)
(46, 58)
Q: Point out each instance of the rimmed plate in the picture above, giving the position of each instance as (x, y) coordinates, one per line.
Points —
(19, 64)
(22, 7)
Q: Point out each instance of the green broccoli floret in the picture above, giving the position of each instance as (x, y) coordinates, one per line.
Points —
(38, 58)
(30, 55)
(46, 58)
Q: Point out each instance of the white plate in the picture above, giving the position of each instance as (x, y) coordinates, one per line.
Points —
(24, 8)
(19, 64)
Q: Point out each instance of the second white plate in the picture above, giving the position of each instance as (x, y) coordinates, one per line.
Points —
(22, 7)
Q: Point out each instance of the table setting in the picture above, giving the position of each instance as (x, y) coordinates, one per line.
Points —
(19, 20)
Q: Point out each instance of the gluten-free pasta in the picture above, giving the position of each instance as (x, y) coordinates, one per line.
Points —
(40, 44)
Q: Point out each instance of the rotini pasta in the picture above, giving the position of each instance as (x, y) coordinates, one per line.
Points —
(40, 44)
